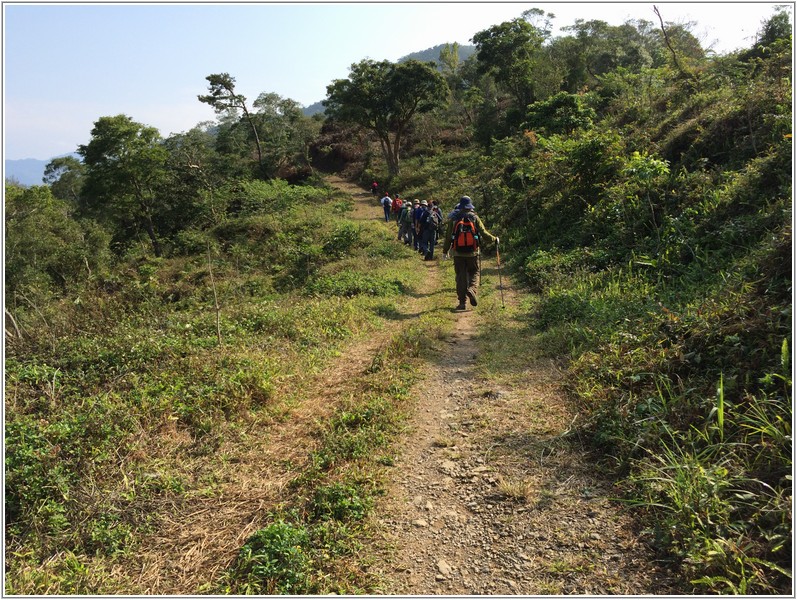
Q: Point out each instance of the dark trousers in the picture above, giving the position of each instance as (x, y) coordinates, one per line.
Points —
(428, 239)
(466, 273)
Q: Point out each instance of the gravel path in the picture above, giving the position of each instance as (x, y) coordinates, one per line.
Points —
(488, 499)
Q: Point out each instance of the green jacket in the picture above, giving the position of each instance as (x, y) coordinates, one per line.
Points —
(480, 229)
(405, 216)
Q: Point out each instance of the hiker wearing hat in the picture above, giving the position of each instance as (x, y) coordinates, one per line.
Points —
(464, 232)
(405, 223)
(431, 221)
(422, 219)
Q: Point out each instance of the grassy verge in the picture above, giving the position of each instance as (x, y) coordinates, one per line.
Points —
(686, 394)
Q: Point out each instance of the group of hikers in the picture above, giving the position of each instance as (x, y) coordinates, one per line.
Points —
(421, 225)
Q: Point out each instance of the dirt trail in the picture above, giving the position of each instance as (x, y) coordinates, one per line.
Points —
(485, 498)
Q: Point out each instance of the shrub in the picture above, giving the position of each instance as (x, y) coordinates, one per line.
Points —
(275, 560)
(352, 283)
(339, 501)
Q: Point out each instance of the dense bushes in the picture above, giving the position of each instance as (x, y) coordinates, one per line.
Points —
(47, 249)
(685, 369)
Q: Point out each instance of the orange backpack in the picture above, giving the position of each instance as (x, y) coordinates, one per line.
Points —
(466, 237)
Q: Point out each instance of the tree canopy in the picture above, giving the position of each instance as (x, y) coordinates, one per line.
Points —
(125, 169)
(222, 98)
(384, 97)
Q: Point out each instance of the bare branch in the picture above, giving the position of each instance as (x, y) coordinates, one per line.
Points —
(669, 45)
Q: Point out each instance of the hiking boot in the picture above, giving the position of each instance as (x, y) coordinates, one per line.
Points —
(472, 298)
(461, 306)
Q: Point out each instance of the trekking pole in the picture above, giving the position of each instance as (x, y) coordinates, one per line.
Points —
(500, 282)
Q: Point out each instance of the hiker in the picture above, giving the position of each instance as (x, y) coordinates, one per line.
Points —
(386, 203)
(419, 216)
(421, 226)
(441, 221)
(463, 234)
(396, 210)
(405, 223)
(416, 238)
(374, 188)
(430, 222)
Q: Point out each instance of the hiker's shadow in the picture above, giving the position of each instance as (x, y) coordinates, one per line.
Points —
(392, 314)
(428, 294)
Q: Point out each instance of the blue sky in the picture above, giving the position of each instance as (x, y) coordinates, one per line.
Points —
(67, 65)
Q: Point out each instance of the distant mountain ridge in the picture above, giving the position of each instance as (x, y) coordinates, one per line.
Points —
(27, 171)
(433, 54)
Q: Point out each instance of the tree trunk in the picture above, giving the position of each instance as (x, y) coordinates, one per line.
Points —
(156, 247)
(257, 141)
(397, 149)
(389, 154)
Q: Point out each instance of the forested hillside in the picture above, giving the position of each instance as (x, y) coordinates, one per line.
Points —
(168, 301)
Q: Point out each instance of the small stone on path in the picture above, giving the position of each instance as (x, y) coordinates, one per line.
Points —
(444, 568)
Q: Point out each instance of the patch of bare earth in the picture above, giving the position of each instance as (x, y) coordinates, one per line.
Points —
(488, 499)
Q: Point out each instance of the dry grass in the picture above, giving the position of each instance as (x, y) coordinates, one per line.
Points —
(518, 489)
(197, 537)
(444, 442)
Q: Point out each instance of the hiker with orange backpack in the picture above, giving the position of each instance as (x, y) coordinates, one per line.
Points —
(464, 234)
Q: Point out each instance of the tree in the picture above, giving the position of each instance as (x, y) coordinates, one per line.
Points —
(125, 168)
(384, 97)
(222, 98)
(65, 175)
(286, 133)
(449, 59)
(562, 113)
(776, 28)
(510, 52)
(194, 177)
(46, 248)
